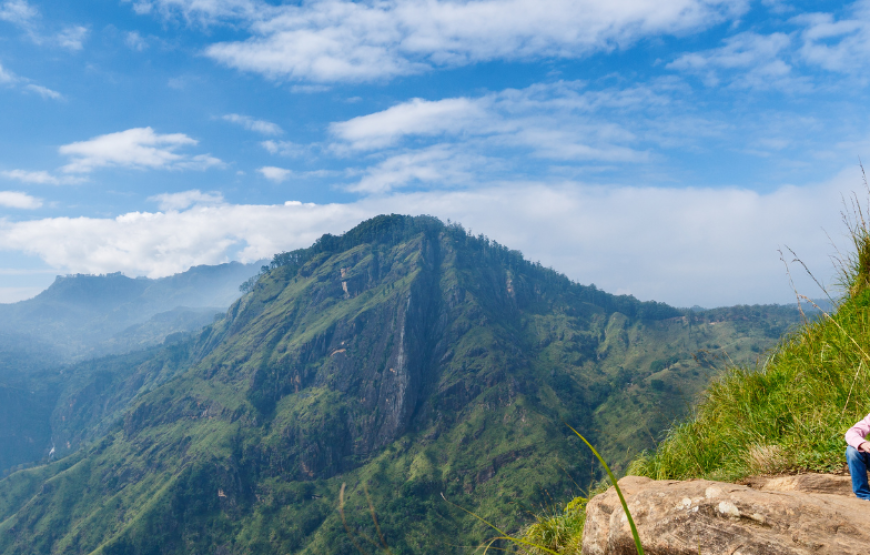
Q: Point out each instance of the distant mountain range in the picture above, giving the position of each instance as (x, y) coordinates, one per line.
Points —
(405, 359)
(82, 316)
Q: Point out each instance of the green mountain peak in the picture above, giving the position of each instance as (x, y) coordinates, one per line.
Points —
(404, 357)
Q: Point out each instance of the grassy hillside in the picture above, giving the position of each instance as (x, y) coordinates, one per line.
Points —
(787, 413)
(791, 413)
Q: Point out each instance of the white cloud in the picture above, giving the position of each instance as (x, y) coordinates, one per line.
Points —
(439, 164)
(559, 121)
(135, 41)
(14, 199)
(138, 148)
(837, 45)
(341, 40)
(18, 12)
(24, 15)
(205, 11)
(278, 175)
(11, 80)
(285, 148)
(683, 246)
(44, 92)
(414, 117)
(7, 77)
(757, 59)
(200, 162)
(40, 177)
(186, 199)
(72, 38)
(251, 124)
(780, 60)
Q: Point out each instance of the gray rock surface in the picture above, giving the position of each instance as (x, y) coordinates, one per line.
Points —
(805, 514)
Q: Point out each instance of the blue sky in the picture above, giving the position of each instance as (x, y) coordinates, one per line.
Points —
(663, 149)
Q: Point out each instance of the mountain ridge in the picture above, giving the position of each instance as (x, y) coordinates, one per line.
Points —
(405, 358)
(78, 312)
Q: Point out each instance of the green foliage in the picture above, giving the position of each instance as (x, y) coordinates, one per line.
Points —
(559, 531)
(790, 412)
(406, 357)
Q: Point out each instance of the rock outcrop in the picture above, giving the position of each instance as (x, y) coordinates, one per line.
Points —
(803, 514)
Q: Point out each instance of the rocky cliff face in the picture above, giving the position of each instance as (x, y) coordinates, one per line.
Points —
(792, 515)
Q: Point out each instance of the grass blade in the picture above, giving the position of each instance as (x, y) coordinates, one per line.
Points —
(618, 491)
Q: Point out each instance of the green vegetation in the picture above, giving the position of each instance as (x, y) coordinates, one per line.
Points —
(406, 358)
(787, 413)
(790, 413)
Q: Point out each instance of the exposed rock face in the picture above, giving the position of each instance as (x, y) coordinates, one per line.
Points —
(786, 515)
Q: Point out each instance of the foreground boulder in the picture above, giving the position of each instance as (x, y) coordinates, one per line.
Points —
(811, 513)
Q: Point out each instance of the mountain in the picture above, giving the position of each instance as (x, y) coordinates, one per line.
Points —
(404, 359)
(83, 316)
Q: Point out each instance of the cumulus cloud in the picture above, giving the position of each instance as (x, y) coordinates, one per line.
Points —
(272, 173)
(186, 199)
(251, 124)
(342, 40)
(14, 199)
(138, 148)
(683, 246)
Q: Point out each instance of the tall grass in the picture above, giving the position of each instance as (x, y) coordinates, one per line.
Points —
(789, 414)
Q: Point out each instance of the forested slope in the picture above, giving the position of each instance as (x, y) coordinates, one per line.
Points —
(405, 357)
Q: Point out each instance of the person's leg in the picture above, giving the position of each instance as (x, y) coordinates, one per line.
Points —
(858, 463)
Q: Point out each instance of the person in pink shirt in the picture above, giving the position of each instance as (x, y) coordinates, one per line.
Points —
(858, 457)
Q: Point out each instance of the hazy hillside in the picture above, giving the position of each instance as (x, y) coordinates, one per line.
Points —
(405, 357)
(83, 316)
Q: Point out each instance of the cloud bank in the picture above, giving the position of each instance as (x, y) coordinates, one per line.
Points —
(682, 246)
(340, 40)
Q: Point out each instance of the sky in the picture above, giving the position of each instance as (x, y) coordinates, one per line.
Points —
(668, 149)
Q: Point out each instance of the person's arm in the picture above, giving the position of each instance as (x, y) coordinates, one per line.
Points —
(857, 434)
